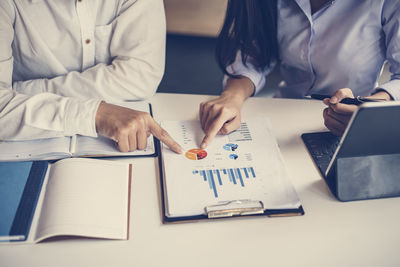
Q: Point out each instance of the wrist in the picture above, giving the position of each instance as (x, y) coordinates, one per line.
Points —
(238, 89)
(381, 94)
(100, 116)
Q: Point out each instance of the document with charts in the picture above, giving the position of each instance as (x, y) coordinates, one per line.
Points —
(236, 172)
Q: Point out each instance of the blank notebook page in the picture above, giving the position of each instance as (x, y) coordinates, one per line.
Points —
(86, 197)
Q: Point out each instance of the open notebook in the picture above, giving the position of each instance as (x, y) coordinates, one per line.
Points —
(72, 197)
(74, 146)
(242, 173)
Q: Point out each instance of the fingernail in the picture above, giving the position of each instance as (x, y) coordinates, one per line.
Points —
(333, 100)
(203, 145)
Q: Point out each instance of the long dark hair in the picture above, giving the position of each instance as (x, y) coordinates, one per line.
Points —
(249, 27)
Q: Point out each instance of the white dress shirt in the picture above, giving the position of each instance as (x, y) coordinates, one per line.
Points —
(60, 58)
(344, 44)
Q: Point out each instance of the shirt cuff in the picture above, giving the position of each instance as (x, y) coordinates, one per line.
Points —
(80, 117)
(257, 78)
(392, 87)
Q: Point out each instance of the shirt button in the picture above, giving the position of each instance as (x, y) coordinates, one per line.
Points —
(87, 41)
(79, 0)
(303, 55)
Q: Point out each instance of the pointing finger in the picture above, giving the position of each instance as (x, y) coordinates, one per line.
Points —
(212, 131)
(164, 137)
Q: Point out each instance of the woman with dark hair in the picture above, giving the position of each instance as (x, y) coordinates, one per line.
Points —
(329, 47)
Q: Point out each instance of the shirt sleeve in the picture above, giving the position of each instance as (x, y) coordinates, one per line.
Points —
(41, 116)
(391, 28)
(138, 50)
(258, 77)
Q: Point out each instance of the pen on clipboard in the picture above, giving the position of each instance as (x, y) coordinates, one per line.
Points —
(348, 100)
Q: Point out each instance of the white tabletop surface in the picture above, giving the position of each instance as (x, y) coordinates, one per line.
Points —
(331, 233)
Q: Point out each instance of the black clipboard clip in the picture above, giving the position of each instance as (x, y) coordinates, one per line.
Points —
(235, 208)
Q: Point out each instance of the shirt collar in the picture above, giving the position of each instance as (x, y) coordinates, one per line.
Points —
(305, 7)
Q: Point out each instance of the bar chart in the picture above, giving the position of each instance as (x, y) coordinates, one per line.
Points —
(217, 177)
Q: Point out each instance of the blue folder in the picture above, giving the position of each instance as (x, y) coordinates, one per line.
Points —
(20, 186)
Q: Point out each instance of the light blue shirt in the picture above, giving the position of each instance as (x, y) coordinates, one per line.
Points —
(344, 44)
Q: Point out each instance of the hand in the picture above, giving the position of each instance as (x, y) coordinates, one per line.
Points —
(130, 128)
(222, 115)
(337, 115)
(219, 116)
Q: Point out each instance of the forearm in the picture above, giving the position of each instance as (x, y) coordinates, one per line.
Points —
(120, 81)
(381, 94)
(44, 115)
(238, 89)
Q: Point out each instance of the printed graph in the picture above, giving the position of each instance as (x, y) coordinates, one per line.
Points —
(196, 154)
(230, 147)
(236, 176)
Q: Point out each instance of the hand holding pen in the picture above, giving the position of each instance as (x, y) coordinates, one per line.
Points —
(341, 106)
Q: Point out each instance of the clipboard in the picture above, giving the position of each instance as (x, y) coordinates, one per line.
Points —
(229, 209)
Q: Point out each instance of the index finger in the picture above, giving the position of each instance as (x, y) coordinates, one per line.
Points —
(344, 109)
(164, 137)
(211, 132)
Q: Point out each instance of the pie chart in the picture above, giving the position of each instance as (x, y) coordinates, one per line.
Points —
(230, 147)
(233, 156)
(196, 154)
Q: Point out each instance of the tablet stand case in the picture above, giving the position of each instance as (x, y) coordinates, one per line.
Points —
(367, 177)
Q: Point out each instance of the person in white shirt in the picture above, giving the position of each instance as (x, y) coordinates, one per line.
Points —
(330, 47)
(63, 62)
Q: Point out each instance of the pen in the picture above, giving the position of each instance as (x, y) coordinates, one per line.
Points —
(348, 100)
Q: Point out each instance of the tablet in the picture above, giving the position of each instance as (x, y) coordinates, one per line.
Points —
(374, 129)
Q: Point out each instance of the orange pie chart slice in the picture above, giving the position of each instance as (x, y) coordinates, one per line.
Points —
(196, 154)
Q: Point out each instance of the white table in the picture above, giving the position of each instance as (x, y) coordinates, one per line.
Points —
(331, 233)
